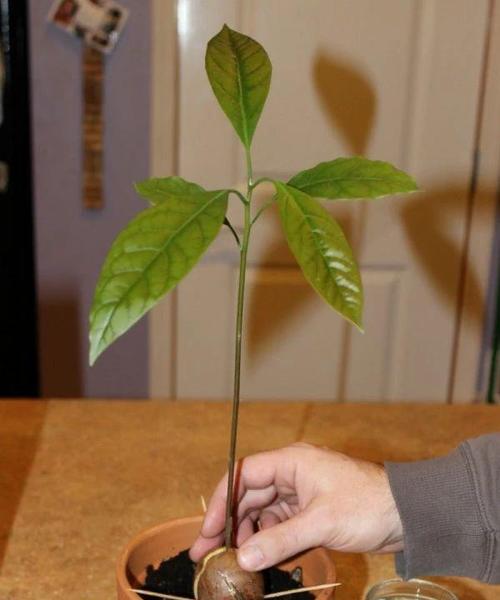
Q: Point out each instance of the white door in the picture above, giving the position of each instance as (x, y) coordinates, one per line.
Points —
(391, 80)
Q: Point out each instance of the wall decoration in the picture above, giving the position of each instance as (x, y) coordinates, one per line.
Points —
(98, 23)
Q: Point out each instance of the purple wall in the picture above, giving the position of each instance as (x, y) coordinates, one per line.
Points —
(70, 242)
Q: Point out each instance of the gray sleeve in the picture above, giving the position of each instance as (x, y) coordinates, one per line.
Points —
(450, 511)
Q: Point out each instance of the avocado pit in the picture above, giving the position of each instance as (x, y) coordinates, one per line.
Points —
(218, 576)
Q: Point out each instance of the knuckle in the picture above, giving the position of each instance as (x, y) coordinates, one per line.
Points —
(302, 445)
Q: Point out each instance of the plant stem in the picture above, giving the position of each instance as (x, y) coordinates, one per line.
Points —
(262, 180)
(228, 534)
(263, 208)
(239, 194)
(227, 222)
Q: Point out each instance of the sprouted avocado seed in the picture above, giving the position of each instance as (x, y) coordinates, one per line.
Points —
(218, 576)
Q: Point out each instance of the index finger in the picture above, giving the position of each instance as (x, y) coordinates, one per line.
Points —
(255, 472)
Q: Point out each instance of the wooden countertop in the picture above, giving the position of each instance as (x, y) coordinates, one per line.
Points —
(79, 478)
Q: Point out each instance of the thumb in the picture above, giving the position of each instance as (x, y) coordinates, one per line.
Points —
(270, 546)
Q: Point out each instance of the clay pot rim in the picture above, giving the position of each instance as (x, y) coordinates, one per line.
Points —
(121, 565)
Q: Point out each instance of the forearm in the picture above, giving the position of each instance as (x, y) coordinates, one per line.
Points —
(450, 512)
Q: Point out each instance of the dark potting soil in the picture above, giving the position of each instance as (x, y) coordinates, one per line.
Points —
(175, 577)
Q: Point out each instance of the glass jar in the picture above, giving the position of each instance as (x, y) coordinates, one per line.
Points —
(413, 589)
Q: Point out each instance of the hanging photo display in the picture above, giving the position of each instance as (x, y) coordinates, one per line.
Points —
(97, 22)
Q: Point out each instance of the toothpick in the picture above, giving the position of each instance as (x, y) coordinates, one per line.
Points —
(311, 588)
(203, 503)
(157, 595)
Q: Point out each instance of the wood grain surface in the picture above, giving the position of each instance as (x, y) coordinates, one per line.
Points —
(79, 478)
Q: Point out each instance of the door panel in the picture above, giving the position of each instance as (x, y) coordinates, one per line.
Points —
(399, 83)
(18, 326)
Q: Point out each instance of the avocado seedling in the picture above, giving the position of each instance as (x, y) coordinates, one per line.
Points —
(159, 247)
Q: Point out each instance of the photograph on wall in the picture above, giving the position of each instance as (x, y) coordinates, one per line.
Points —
(98, 22)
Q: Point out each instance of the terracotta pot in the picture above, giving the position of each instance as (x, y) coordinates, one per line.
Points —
(154, 545)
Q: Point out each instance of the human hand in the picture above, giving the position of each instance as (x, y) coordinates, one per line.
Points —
(303, 497)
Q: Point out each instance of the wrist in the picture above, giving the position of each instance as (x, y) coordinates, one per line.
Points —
(392, 519)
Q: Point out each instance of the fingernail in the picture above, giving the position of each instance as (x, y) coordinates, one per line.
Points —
(250, 557)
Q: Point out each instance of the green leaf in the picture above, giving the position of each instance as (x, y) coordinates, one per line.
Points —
(322, 251)
(149, 258)
(348, 178)
(239, 72)
(160, 189)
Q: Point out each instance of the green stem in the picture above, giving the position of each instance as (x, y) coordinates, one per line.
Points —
(262, 180)
(239, 194)
(227, 223)
(250, 183)
(263, 208)
(228, 534)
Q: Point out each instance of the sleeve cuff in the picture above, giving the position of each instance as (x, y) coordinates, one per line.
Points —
(443, 530)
